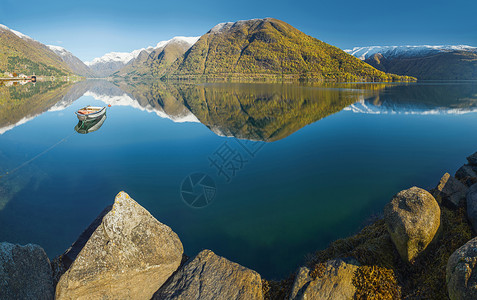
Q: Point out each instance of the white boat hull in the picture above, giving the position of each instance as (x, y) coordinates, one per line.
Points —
(91, 116)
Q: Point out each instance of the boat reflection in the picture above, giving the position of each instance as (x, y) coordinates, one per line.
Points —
(85, 127)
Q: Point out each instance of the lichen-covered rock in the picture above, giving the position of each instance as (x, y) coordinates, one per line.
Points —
(124, 254)
(333, 280)
(412, 219)
(472, 159)
(25, 272)
(450, 190)
(209, 276)
(460, 272)
(472, 206)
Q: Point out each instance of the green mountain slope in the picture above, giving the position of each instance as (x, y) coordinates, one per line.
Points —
(27, 56)
(270, 48)
(456, 65)
(155, 63)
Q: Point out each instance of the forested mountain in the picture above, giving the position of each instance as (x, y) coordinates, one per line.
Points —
(270, 48)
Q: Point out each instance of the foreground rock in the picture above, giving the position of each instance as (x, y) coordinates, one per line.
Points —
(472, 206)
(124, 254)
(209, 276)
(461, 270)
(25, 273)
(450, 190)
(412, 219)
(334, 280)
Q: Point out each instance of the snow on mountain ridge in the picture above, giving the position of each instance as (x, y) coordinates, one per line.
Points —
(59, 50)
(17, 33)
(365, 107)
(227, 25)
(126, 100)
(126, 57)
(189, 40)
(405, 51)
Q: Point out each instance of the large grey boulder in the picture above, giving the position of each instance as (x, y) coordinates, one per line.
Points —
(412, 219)
(450, 190)
(124, 254)
(472, 206)
(461, 272)
(25, 272)
(335, 281)
(209, 276)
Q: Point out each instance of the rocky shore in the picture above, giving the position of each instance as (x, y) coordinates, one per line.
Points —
(423, 248)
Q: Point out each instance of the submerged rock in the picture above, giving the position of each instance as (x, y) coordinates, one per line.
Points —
(333, 280)
(412, 219)
(450, 190)
(25, 272)
(124, 254)
(461, 270)
(465, 172)
(209, 276)
(472, 159)
(472, 206)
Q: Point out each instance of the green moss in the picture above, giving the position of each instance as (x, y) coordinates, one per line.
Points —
(371, 246)
(426, 278)
(383, 274)
(274, 290)
(374, 282)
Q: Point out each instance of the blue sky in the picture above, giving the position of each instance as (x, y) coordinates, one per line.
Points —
(92, 28)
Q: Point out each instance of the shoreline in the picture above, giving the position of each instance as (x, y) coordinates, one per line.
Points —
(124, 238)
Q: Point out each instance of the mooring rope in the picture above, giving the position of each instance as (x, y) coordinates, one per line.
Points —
(36, 156)
(40, 154)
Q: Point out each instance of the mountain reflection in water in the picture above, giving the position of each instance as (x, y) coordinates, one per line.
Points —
(265, 112)
(333, 155)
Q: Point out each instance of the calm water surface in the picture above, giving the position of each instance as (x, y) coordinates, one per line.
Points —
(294, 167)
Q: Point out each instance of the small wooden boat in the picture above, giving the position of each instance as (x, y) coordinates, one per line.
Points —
(90, 113)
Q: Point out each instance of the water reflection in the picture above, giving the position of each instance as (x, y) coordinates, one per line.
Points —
(20, 104)
(315, 184)
(424, 99)
(265, 112)
(84, 127)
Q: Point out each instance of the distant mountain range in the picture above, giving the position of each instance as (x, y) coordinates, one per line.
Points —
(133, 63)
(258, 48)
(423, 62)
(74, 63)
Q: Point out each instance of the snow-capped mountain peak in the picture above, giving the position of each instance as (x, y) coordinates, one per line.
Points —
(405, 51)
(177, 39)
(227, 25)
(125, 57)
(59, 50)
(17, 33)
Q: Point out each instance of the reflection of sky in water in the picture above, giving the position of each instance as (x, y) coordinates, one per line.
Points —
(295, 196)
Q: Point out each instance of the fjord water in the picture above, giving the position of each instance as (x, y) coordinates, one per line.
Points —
(323, 159)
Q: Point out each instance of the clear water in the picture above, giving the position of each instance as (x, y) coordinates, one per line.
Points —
(323, 160)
